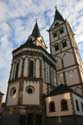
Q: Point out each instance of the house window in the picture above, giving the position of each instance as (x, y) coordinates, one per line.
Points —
(54, 34)
(82, 106)
(64, 43)
(56, 47)
(61, 30)
(17, 69)
(52, 107)
(77, 105)
(31, 68)
(64, 105)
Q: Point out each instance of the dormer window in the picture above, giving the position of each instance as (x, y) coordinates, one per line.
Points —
(56, 47)
(61, 30)
(54, 34)
(17, 70)
(64, 43)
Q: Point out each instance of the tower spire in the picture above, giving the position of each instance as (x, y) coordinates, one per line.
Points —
(36, 31)
(58, 16)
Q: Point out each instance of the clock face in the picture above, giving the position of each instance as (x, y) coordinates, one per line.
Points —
(13, 92)
(30, 89)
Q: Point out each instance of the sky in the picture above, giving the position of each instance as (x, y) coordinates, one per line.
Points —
(17, 19)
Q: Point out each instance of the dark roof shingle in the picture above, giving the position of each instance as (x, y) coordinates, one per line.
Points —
(58, 16)
(61, 89)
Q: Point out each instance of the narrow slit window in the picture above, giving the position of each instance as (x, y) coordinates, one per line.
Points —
(77, 105)
(82, 106)
(17, 69)
(31, 68)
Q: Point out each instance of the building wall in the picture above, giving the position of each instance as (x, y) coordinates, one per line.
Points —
(42, 68)
(69, 64)
(57, 99)
(13, 99)
(34, 98)
(80, 100)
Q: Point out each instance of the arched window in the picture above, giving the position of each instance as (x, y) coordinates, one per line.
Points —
(52, 107)
(82, 106)
(77, 105)
(64, 105)
(17, 69)
(31, 68)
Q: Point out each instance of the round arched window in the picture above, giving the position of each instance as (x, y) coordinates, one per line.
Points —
(30, 89)
(13, 92)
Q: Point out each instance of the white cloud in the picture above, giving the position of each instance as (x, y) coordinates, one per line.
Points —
(3, 11)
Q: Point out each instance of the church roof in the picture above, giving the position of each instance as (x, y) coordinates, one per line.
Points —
(61, 89)
(33, 36)
(35, 39)
(58, 16)
(36, 31)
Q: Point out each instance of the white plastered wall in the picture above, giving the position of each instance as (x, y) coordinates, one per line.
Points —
(75, 97)
(10, 99)
(68, 59)
(57, 99)
(34, 98)
(72, 76)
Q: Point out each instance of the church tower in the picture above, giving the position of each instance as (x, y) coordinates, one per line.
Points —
(63, 47)
(32, 76)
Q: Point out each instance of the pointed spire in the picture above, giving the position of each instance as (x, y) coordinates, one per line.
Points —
(36, 31)
(58, 16)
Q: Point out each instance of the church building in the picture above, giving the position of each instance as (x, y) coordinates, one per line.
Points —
(46, 88)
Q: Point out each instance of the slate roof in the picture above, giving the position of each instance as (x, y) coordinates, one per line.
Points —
(36, 31)
(33, 36)
(61, 89)
(58, 16)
